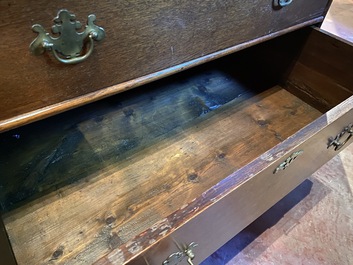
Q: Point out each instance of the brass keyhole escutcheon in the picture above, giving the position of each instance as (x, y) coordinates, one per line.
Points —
(288, 161)
(69, 46)
(336, 142)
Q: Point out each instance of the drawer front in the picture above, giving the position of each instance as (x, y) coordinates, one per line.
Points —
(230, 214)
(142, 38)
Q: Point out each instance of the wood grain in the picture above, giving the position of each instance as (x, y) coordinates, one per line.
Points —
(228, 207)
(85, 220)
(143, 37)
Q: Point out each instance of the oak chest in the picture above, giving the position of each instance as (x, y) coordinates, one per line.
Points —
(247, 100)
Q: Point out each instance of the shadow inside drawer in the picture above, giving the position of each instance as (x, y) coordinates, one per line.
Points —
(72, 146)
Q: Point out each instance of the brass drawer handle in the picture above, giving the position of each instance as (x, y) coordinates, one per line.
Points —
(70, 44)
(177, 257)
(283, 3)
(288, 161)
(336, 141)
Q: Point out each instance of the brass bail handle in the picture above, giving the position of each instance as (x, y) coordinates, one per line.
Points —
(177, 257)
(190, 261)
(67, 45)
(336, 142)
(190, 254)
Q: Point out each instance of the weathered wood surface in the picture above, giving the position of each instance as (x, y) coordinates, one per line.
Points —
(142, 37)
(113, 130)
(85, 220)
(232, 204)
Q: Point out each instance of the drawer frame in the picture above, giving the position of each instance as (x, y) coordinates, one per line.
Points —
(178, 228)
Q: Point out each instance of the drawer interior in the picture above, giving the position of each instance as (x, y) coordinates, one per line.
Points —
(77, 185)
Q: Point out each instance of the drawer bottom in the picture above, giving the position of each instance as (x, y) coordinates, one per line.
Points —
(218, 146)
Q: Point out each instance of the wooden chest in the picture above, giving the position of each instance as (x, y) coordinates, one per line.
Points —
(169, 171)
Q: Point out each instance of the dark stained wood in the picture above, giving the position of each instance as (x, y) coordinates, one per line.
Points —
(143, 37)
(323, 73)
(93, 96)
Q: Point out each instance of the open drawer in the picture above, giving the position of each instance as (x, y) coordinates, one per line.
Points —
(195, 157)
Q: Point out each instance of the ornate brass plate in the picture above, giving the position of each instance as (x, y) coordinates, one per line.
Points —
(288, 161)
(69, 46)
